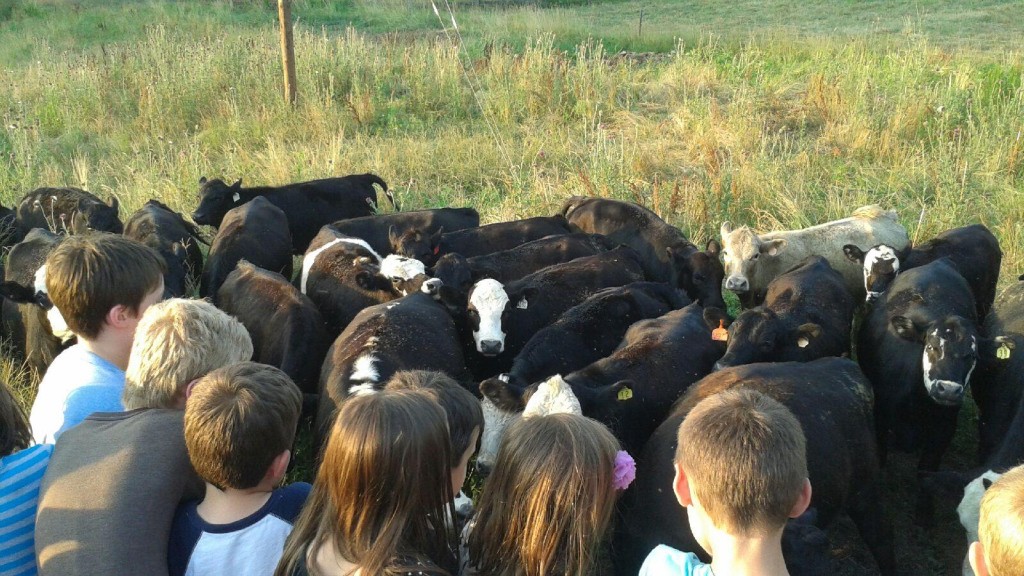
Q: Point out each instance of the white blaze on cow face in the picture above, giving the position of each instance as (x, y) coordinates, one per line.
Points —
(943, 390)
(553, 396)
(400, 269)
(881, 266)
(496, 421)
(740, 252)
(488, 301)
(309, 259)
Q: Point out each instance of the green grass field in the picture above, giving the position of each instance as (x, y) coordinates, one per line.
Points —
(776, 114)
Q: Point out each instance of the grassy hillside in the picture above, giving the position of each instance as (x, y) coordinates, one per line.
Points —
(776, 114)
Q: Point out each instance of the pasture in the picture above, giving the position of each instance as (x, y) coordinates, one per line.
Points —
(775, 114)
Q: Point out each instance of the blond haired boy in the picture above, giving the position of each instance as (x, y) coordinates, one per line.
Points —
(999, 550)
(741, 472)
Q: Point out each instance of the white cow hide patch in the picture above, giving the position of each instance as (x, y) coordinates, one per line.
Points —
(553, 396)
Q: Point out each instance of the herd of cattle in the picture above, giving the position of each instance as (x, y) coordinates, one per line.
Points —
(603, 308)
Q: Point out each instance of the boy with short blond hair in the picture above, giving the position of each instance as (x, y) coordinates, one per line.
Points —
(101, 284)
(741, 473)
(999, 550)
(240, 423)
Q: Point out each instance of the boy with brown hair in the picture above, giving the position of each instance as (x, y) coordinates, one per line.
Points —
(240, 423)
(999, 550)
(101, 284)
(741, 472)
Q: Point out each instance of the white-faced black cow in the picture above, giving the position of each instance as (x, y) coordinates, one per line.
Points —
(632, 390)
(256, 231)
(427, 248)
(378, 230)
(341, 275)
(459, 273)
(832, 401)
(67, 211)
(973, 250)
(35, 327)
(307, 205)
(591, 330)
(668, 256)
(287, 330)
(499, 319)
(412, 333)
(806, 314)
(753, 260)
(408, 275)
(177, 241)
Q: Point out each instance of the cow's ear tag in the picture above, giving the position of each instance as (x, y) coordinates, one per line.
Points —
(720, 334)
(522, 304)
(235, 197)
(1003, 352)
(625, 393)
(802, 342)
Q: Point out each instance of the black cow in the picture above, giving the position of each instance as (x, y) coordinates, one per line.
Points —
(67, 211)
(412, 333)
(256, 231)
(427, 248)
(177, 241)
(307, 205)
(972, 250)
(341, 275)
(591, 330)
(8, 230)
(806, 314)
(832, 401)
(919, 346)
(378, 230)
(667, 254)
(499, 319)
(630, 391)
(459, 272)
(287, 330)
(26, 308)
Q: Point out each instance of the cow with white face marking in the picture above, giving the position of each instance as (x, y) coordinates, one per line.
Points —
(919, 346)
(411, 333)
(973, 251)
(631, 390)
(342, 276)
(408, 275)
(753, 260)
(30, 320)
(499, 319)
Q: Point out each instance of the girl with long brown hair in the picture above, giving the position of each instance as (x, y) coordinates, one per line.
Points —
(547, 504)
(381, 495)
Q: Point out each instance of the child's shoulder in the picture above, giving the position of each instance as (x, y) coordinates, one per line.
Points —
(667, 561)
(287, 501)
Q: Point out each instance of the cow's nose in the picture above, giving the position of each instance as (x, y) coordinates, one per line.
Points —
(948, 392)
(490, 347)
(737, 284)
(483, 468)
(871, 297)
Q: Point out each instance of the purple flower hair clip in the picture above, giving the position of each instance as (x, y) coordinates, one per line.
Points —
(625, 470)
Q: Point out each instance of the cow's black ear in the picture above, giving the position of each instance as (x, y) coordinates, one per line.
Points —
(435, 238)
(368, 281)
(853, 254)
(715, 317)
(452, 299)
(477, 274)
(806, 333)
(713, 248)
(237, 184)
(522, 300)
(906, 328)
(621, 391)
(502, 395)
(1001, 347)
(202, 179)
(17, 293)
(986, 483)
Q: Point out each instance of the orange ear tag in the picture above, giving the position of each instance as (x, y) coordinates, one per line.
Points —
(720, 334)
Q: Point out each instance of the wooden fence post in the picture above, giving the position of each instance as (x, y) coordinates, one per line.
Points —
(284, 14)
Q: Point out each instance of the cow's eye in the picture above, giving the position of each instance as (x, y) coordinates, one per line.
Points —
(755, 256)
(929, 348)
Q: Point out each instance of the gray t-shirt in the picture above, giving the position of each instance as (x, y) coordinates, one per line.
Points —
(110, 492)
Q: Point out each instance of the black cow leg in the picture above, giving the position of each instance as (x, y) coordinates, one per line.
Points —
(867, 510)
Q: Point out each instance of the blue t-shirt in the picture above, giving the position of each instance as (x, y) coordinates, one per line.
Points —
(252, 546)
(667, 561)
(20, 475)
(76, 384)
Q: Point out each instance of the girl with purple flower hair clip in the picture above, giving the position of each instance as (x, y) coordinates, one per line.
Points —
(547, 505)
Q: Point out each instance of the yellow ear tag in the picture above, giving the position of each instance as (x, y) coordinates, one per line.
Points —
(625, 394)
(1003, 352)
(720, 334)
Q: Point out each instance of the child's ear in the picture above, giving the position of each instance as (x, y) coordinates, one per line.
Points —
(279, 466)
(119, 316)
(681, 486)
(976, 556)
(803, 501)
